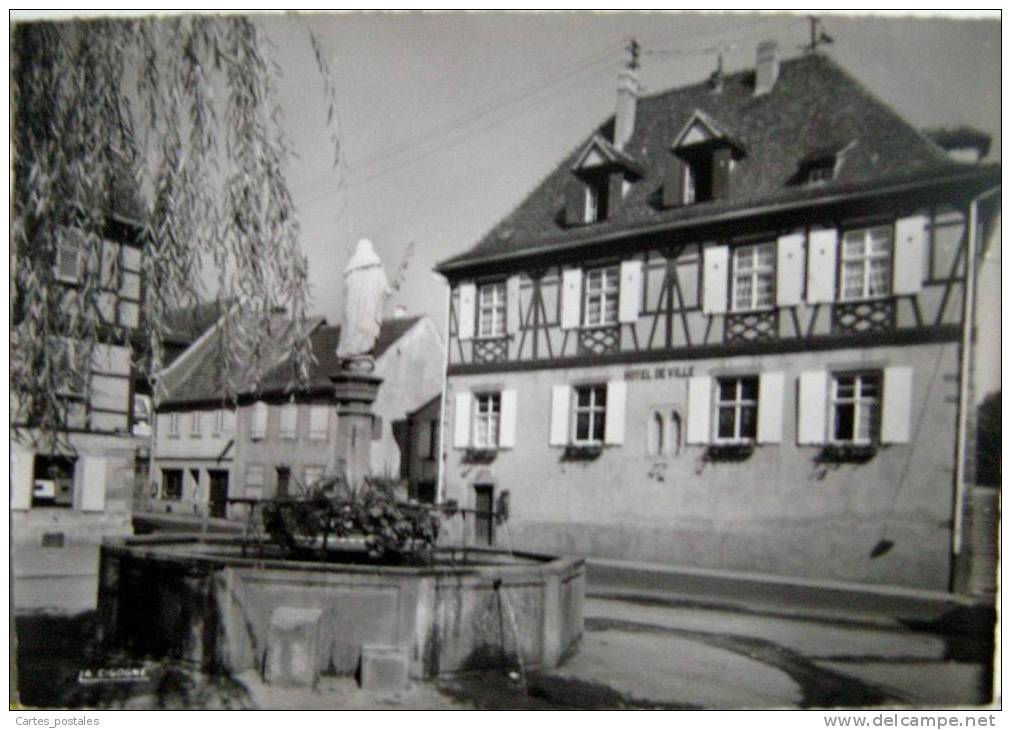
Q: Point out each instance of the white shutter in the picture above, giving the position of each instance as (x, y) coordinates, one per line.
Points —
(560, 395)
(714, 279)
(258, 427)
(897, 405)
(512, 305)
(770, 408)
(789, 269)
(465, 313)
(91, 476)
(812, 404)
(907, 271)
(289, 420)
(461, 424)
(319, 422)
(614, 425)
(22, 477)
(821, 256)
(507, 422)
(572, 288)
(630, 291)
(700, 391)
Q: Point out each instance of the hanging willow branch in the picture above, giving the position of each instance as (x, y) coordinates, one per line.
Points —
(207, 154)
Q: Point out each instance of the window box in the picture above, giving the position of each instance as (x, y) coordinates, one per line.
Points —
(582, 452)
(846, 453)
(479, 456)
(735, 451)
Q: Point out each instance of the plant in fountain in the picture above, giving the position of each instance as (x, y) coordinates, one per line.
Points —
(331, 510)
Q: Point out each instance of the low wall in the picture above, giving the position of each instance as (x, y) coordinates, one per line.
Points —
(171, 597)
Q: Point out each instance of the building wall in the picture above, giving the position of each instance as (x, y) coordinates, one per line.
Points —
(102, 493)
(779, 511)
(273, 451)
(412, 370)
(423, 459)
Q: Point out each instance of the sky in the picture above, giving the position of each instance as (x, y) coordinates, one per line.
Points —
(449, 119)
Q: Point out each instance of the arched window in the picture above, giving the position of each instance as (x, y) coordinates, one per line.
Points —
(655, 435)
(675, 433)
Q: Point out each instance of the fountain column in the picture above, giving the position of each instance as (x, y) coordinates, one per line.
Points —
(355, 393)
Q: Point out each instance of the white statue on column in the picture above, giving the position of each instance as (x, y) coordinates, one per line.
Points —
(365, 292)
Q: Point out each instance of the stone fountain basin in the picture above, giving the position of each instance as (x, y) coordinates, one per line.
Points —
(202, 601)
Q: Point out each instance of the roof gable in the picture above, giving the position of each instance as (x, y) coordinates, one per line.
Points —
(813, 101)
(698, 130)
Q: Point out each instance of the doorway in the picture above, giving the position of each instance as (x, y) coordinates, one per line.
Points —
(283, 482)
(218, 500)
(484, 519)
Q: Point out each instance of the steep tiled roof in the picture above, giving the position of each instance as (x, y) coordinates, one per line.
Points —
(323, 342)
(199, 377)
(814, 105)
(183, 326)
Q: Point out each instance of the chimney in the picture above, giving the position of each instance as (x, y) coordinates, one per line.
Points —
(624, 113)
(766, 67)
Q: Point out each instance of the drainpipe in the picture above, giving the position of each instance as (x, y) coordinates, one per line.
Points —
(968, 315)
(440, 479)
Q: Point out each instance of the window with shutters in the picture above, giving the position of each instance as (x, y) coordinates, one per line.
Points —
(753, 277)
(71, 379)
(319, 419)
(196, 422)
(491, 310)
(289, 420)
(69, 257)
(254, 476)
(487, 417)
(589, 414)
(258, 425)
(218, 426)
(595, 200)
(313, 474)
(866, 263)
(855, 403)
(600, 296)
(736, 409)
(172, 484)
(173, 425)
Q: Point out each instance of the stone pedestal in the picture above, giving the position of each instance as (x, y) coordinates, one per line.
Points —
(355, 393)
(293, 647)
(384, 668)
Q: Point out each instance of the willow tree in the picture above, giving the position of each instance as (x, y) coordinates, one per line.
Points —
(173, 123)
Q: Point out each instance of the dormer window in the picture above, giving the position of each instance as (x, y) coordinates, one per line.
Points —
(821, 173)
(595, 205)
(601, 177)
(703, 161)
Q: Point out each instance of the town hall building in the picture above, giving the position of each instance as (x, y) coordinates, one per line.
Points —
(727, 332)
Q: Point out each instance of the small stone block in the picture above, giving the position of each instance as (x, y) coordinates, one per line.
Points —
(384, 668)
(292, 646)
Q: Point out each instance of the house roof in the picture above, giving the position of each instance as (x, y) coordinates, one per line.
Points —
(814, 105)
(183, 326)
(199, 377)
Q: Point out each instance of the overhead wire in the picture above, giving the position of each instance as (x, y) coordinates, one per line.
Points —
(520, 99)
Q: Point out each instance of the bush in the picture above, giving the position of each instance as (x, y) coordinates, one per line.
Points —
(393, 530)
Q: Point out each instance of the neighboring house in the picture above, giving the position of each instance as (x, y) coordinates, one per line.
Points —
(80, 490)
(724, 332)
(275, 441)
(421, 441)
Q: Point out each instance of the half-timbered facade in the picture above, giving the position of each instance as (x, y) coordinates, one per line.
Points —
(71, 490)
(725, 332)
